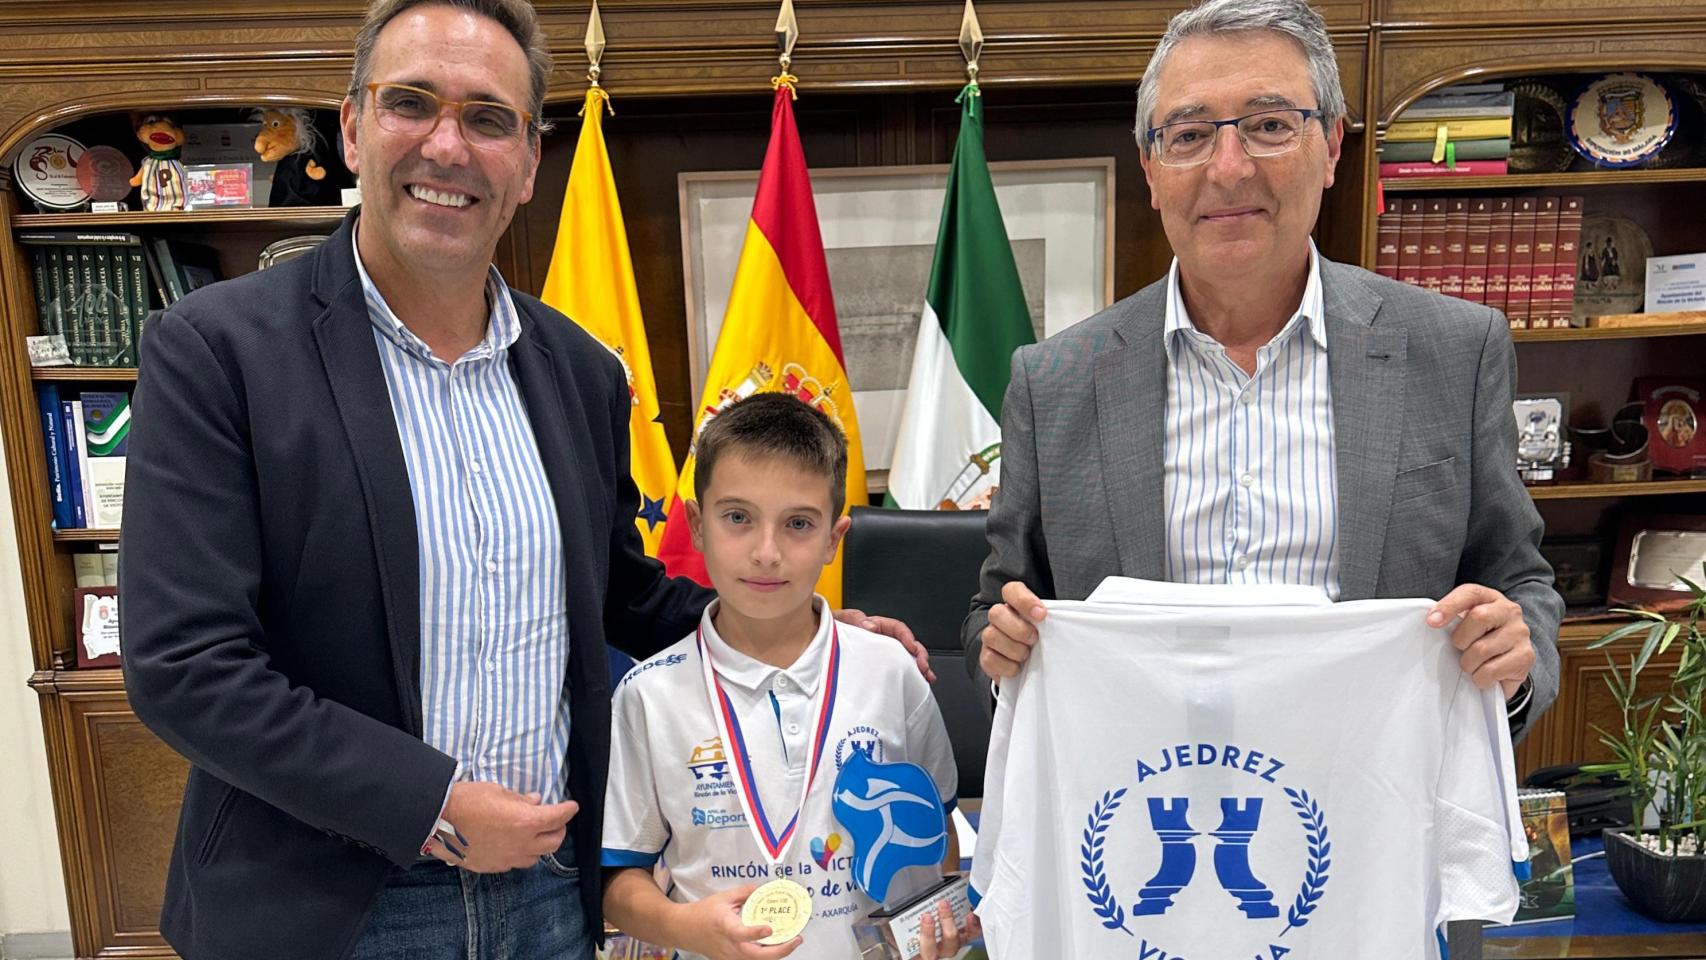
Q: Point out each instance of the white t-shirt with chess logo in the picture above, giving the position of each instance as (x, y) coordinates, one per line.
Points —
(1213, 771)
(672, 795)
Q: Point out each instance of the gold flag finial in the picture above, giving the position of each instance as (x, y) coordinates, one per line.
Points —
(787, 34)
(971, 40)
(594, 44)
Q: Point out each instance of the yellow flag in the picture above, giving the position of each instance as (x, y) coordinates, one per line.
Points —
(592, 281)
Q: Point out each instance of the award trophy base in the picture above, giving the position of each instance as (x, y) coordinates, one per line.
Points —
(892, 933)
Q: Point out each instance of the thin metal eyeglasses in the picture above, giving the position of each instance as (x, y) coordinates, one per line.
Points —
(1265, 133)
(484, 124)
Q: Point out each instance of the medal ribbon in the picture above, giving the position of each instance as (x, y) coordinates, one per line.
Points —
(734, 741)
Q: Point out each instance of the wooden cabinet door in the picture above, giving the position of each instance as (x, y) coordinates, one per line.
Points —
(125, 788)
(1565, 733)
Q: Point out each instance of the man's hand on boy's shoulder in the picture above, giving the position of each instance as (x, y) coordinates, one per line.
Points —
(716, 931)
(890, 627)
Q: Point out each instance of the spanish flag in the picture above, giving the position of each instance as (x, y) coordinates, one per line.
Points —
(779, 332)
(592, 281)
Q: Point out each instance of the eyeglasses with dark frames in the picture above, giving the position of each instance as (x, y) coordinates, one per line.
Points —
(1265, 133)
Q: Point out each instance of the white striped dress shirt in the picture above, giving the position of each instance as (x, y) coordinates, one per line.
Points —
(494, 614)
(1251, 486)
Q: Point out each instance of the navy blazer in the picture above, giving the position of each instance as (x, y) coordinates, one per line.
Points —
(270, 588)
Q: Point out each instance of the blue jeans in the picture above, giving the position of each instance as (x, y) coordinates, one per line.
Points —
(434, 911)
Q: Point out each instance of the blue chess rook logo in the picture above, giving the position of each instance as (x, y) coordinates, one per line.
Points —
(1239, 821)
(1178, 857)
(893, 812)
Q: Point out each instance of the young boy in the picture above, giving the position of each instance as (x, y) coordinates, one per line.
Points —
(732, 796)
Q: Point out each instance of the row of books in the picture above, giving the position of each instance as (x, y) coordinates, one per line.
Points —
(94, 288)
(1463, 130)
(95, 569)
(86, 438)
(1515, 254)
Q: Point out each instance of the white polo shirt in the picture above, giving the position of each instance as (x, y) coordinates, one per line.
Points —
(1187, 770)
(672, 792)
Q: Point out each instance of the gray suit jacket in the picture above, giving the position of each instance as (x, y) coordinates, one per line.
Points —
(1429, 496)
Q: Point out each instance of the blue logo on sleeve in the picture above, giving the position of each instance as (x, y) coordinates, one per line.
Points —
(894, 814)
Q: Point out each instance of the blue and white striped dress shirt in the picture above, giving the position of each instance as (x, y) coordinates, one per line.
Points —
(494, 610)
(1251, 486)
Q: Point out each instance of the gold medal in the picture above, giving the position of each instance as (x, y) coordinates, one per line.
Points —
(782, 905)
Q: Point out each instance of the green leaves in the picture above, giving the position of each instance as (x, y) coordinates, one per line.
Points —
(1621, 632)
(1661, 746)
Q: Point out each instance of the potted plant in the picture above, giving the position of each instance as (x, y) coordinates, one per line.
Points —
(1661, 752)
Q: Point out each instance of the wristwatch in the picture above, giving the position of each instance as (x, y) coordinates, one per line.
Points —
(1518, 701)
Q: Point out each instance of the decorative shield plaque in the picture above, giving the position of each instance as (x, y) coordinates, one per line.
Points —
(1622, 120)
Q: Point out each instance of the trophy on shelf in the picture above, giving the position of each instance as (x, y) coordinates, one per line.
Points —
(893, 812)
(1541, 449)
(1624, 458)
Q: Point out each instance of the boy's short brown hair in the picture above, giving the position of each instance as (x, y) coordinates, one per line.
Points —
(775, 425)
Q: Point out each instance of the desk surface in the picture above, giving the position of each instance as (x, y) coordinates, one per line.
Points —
(1605, 925)
(1670, 946)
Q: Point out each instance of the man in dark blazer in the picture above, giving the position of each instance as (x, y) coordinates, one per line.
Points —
(380, 529)
(1378, 454)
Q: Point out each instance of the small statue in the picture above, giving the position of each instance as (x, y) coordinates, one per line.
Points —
(288, 138)
(161, 175)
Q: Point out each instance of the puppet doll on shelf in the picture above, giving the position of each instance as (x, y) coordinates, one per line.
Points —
(289, 139)
(161, 175)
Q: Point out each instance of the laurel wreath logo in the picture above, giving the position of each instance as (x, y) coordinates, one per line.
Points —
(1095, 878)
(1315, 879)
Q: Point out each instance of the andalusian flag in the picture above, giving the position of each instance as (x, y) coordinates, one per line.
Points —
(779, 332)
(974, 318)
(592, 281)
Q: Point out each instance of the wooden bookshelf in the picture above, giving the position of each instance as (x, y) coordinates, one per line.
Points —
(1513, 182)
(1608, 333)
(89, 535)
(201, 219)
(101, 680)
(1592, 491)
(84, 374)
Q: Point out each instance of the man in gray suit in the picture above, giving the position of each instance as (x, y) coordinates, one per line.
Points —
(1264, 414)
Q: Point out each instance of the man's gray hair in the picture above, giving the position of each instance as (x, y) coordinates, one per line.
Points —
(515, 16)
(1293, 18)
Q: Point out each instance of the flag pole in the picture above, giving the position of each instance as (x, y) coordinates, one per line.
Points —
(787, 34)
(594, 54)
(971, 42)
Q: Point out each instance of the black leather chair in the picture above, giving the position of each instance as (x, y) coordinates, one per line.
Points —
(921, 567)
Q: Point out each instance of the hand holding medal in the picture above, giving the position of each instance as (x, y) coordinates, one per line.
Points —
(782, 905)
(730, 934)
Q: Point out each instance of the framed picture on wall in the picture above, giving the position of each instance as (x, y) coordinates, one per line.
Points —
(879, 235)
